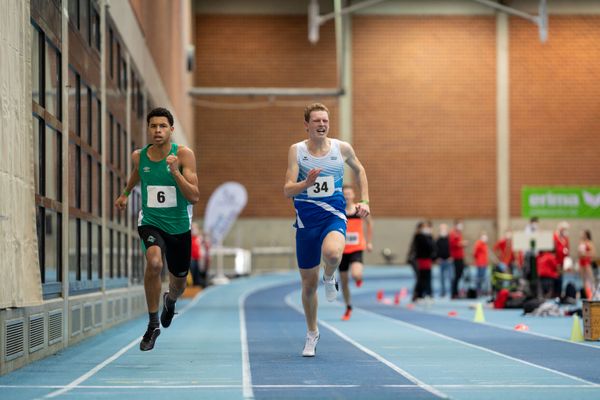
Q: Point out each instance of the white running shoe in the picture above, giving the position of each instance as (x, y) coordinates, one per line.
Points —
(310, 346)
(331, 288)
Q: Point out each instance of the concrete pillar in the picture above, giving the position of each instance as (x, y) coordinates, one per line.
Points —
(344, 29)
(502, 123)
(20, 285)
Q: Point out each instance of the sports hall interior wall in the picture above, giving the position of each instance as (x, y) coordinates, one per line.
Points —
(424, 110)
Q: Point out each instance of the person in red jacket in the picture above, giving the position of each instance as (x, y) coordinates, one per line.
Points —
(503, 250)
(457, 252)
(561, 252)
(548, 273)
(480, 255)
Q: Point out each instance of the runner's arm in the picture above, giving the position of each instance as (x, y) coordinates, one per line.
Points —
(134, 179)
(291, 187)
(361, 178)
(369, 232)
(186, 178)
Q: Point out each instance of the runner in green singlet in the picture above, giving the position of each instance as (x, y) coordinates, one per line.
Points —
(169, 187)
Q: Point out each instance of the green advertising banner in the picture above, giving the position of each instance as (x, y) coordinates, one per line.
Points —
(560, 202)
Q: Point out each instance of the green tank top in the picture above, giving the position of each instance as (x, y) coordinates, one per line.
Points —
(163, 204)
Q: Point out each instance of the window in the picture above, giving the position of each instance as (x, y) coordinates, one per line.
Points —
(39, 143)
(48, 157)
(96, 251)
(85, 253)
(118, 62)
(74, 250)
(36, 65)
(118, 149)
(53, 161)
(95, 28)
(74, 13)
(74, 102)
(123, 154)
(96, 189)
(124, 76)
(52, 81)
(111, 55)
(84, 17)
(52, 265)
(84, 106)
(134, 90)
(85, 238)
(111, 138)
(84, 186)
(96, 123)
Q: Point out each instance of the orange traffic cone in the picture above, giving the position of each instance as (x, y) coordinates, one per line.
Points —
(380, 295)
(397, 298)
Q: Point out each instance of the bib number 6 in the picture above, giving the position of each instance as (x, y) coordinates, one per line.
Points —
(162, 196)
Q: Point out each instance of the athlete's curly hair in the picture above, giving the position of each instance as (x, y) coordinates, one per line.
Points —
(160, 112)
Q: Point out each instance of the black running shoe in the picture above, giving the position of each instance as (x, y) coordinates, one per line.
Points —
(166, 316)
(149, 338)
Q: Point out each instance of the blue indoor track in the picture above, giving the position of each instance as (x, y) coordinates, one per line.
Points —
(244, 340)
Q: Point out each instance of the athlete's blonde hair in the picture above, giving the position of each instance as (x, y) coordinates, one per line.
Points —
(314, 107)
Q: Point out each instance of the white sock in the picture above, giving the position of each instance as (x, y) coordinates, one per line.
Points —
(313, 334)
(327, 278)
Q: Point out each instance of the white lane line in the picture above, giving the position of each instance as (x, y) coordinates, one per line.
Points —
(246, 371)
(115, 356)
(294, 386)
(417, 327)
(373, 354)
(538, 334)
(246, 366)
(517, 386)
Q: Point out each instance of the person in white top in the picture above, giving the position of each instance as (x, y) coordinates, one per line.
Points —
(314, 180)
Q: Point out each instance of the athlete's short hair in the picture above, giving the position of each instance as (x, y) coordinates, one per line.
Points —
(314, 107)
(160, 112)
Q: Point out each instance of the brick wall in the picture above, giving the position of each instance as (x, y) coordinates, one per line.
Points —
(166, 35)
(250, 146)
(555, 103)
(424, 114)
(424, 108)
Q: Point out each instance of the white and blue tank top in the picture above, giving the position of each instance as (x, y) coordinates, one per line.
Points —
(325, 198)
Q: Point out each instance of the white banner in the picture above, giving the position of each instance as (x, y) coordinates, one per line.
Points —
(224, 206)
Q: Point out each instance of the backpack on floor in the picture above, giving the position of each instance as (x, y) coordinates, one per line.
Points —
(531, 304)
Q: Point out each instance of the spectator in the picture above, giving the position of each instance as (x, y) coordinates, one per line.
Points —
(457, 252)
(561, 251)
(548, 273)
(528, 259)
(204, 264)
(442, 246)
(196, 251)
(424, 252)
(532, 226)
(503, 250)
(480, 254)
(411, 257)
(586, 252)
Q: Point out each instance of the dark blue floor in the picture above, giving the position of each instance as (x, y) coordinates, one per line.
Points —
(276, 335)
(558, 355)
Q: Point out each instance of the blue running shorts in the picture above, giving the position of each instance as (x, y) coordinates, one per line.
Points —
(310, 240)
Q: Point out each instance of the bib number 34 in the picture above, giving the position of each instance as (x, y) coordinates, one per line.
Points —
(323, 187)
